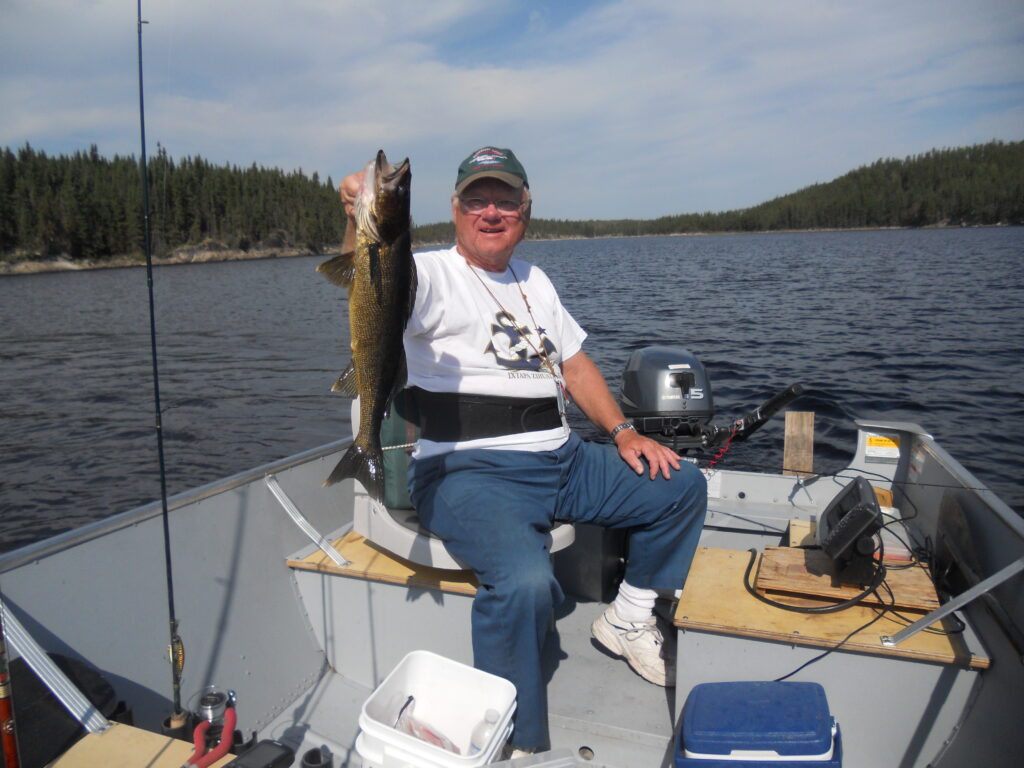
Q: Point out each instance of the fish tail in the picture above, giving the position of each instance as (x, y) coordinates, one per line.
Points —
(365, 465)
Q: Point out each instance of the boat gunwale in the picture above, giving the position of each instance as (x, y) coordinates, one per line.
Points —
(71, 538)
(66, 540)
(970, 483)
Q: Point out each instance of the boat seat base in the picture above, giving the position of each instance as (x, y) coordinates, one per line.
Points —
(366, 560)
(400, 532)
(396, 527)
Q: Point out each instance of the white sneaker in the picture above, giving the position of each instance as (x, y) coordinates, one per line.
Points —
(514, 753)
(639, 643)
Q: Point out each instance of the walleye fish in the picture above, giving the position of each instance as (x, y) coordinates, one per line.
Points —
(380, 276)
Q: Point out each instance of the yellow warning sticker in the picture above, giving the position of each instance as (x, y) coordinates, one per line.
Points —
(882, 441)
(881, 448)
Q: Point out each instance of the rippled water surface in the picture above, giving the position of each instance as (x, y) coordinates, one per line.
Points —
(923, 326)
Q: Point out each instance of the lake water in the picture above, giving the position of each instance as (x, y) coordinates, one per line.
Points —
(924, 326)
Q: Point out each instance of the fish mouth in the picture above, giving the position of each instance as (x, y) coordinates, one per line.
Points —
(389, 176)
(383, 194)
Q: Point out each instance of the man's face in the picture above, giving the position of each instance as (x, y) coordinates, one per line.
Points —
(486, 238)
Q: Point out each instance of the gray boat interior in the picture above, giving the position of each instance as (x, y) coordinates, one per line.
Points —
(303, 649)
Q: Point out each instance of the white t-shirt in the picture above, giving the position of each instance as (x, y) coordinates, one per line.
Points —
(472, 331)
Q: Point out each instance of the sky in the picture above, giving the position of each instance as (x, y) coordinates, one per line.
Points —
(617, 109)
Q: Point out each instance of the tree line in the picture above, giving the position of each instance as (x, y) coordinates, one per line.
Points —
(87, 207)
(968, 186)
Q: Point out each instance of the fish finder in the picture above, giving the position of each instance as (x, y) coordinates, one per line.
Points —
(846, 532)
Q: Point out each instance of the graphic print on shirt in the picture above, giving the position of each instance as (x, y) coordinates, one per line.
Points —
(515, 346)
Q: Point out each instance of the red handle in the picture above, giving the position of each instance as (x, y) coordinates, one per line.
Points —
(227, 735)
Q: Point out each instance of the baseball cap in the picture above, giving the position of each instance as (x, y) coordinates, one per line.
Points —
(494, 163)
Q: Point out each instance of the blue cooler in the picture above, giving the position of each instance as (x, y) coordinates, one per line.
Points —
(742, 725)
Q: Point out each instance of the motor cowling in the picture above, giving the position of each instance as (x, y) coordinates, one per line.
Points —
(666, 393)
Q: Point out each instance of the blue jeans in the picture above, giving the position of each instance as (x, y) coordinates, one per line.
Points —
(493, 509)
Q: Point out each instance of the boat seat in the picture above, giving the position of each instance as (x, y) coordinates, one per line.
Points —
(394, 525)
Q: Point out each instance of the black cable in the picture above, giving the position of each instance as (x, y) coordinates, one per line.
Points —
(837, 646)
(931, 630)
(908, 621)
(876, 580)
(915, 558)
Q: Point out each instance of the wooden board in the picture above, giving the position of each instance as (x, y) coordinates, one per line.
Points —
(368, 561)
(802, 533)
(810, 573)
(798, 449)
(715, 600)
(124, 746)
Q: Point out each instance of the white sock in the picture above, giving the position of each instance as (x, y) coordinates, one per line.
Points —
(634, 604)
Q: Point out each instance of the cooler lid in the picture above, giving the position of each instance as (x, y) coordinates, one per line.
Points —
(757, 719)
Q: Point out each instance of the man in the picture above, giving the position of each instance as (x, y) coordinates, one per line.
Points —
(492, 353)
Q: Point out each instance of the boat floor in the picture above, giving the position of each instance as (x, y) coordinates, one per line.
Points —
(597, 704)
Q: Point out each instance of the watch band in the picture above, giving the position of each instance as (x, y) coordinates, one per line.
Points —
(622, 426)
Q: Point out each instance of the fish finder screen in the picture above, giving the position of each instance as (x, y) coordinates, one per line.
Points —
(846, 531)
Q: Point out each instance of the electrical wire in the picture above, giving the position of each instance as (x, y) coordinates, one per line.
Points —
(876, 580)
(838, 645)
(917, 555)
(723, 450)
(885, 609)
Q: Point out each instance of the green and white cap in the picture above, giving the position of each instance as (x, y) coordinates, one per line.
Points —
(491, 163)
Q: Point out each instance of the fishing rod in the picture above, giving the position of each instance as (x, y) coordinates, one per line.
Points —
(176, 649)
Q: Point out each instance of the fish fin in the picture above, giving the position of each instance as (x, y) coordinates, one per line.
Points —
(346, 383)
(340, 270)
(366, 466)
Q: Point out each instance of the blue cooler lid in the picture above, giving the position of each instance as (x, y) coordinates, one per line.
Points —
(791, 719)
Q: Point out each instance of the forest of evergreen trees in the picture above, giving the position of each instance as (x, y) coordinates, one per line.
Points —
(86, 207)
(978, 185)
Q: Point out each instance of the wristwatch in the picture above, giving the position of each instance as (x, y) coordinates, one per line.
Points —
(622, 426)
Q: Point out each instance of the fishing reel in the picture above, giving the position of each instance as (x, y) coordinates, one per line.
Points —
(210, 703)
(212, 718)
(212, 711)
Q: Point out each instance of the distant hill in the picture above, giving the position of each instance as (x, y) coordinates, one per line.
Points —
(977, 185)
(87, 208)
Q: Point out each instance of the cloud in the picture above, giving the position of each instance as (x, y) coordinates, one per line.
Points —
(622, 108)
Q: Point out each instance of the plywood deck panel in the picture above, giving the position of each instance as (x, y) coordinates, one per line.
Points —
(714, 599)
(368, 561)
(123, 746)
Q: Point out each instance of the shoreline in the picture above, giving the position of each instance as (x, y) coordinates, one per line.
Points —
(186, 255)
(203, 254)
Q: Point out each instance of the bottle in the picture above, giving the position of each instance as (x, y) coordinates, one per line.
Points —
(482, 731)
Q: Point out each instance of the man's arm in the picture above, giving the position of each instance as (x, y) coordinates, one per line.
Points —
(348, 189)
(588, 389)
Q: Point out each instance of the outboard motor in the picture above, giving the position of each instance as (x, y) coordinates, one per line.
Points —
(666, 393)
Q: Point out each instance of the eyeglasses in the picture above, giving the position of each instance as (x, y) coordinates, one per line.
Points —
(481, 204)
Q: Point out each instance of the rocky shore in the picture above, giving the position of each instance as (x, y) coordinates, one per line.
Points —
(185, 255)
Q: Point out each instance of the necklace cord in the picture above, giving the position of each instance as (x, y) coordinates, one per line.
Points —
(541, 354)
